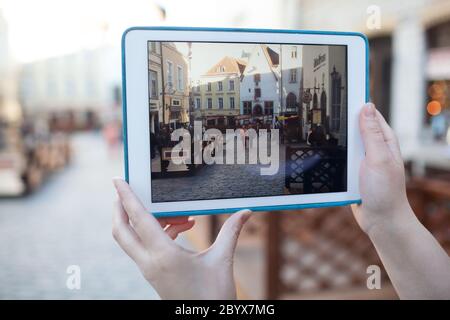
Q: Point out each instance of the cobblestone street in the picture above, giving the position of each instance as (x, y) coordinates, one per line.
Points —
(221, 181)
(68, 222)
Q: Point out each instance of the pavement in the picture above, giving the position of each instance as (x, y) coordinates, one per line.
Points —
(68, 222)
(222, 181)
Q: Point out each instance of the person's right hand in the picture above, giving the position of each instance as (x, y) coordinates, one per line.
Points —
(381, 176)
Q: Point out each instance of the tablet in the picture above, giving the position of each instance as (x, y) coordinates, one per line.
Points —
(217, 120)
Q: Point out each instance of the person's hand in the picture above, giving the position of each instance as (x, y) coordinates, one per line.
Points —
(173, 271)
(418, 267)
(381, 176)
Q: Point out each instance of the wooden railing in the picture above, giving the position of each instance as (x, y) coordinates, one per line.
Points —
(317, 250)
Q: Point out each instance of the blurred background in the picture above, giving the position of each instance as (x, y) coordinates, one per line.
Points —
(60, 144)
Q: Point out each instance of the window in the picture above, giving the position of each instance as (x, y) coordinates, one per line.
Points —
(315, 101)
(268, 107)
(198, 103)
(209, 103)
(220, 103)
(180, 78)
(293, 75)
(247, 107)
(294, 52)
(175, 115)
(336, 83)
(257, 78)
(169, 73)
(153, 46)
(231, 85)
(219, 86)
(153, 84)
(257, 110)
(209, 87)
(176, 102)
(232, 106)
(221, 121)
(257, 93)
(291, 100)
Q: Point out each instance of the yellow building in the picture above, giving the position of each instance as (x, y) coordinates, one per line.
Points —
(174, 90)
(216, 95)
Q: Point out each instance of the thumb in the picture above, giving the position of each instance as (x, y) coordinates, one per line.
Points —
(226, 241)
(372, 134)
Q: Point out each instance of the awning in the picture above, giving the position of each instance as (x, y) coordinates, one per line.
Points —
(242, 117)
(175, 108)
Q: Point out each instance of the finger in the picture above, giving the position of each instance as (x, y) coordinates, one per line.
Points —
(376, 148)
(172, 220)
(145, 225)
(125, 236)
(175, 229)
(226, 241)
(390, 137)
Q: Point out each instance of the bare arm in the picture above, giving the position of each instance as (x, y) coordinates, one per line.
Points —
(417, 265)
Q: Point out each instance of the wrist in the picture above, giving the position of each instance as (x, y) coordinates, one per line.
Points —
(393, 223)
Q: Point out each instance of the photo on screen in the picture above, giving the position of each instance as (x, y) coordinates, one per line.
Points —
(235, 120)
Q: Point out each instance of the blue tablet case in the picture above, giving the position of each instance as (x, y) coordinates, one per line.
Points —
(232, 210)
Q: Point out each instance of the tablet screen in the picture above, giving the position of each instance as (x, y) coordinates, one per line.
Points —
(235, 120)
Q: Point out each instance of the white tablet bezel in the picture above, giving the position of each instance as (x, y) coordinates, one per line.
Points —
(136, 117)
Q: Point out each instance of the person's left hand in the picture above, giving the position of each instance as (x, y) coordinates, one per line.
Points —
(175, 272)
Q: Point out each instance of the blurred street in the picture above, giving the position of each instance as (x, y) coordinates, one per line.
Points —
(68, 222)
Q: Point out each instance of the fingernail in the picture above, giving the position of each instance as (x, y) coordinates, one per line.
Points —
(246, 215)
(115, 180)
(369, 110)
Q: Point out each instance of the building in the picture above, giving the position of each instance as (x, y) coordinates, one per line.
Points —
(79, 85)
(409, 45)
(259, 88)
(325, 79)
(155, 85)
(216, 95)
(10, 110)
(174, 85)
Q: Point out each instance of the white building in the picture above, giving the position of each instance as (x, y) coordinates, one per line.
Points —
(325, 78)
(259, 87)
(9, 107)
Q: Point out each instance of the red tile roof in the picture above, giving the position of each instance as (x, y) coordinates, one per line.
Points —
(227, 65)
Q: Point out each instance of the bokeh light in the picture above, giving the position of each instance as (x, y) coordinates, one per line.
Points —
(434, 107)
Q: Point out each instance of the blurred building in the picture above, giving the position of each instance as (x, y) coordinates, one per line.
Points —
(77, 87)
(9, 107)
(409, 56)
(216, 96)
